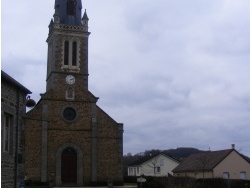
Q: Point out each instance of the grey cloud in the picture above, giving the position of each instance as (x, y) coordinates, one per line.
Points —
(176, 73)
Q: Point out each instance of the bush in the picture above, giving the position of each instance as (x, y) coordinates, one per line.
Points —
(239, 184)
(130, 179)
(98, 183)
(186, 182)
(222, 183)
(154, 182)
(104, 183)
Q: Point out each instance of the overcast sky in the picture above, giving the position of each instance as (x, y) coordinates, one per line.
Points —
(175, 72)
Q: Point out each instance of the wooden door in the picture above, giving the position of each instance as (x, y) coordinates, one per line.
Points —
(69, 166)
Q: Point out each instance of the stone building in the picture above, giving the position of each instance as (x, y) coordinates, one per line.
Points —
(13, 100)
(69, 139)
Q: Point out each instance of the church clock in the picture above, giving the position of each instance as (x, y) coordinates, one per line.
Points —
(70, 79)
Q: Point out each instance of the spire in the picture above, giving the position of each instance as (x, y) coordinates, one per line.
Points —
(68, 12)
(85, 16)
(51, 25)
(85, 21)
(56, 14)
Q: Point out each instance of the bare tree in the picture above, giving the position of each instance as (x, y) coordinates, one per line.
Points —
(204, 159)
(154, 165)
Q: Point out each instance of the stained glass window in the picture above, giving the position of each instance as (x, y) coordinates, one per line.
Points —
(69, 114)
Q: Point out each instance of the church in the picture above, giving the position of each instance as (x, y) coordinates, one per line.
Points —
(69, 139)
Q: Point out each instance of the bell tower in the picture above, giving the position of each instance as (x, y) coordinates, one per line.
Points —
(67, 61)
(68, 138)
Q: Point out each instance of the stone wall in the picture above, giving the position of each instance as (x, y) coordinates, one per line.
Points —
(96, 135)
(110, 151)
(11, 107)
(7, 170)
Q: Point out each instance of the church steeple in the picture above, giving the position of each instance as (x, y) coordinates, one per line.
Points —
(68, 11)
(68, 44)
(76, 142)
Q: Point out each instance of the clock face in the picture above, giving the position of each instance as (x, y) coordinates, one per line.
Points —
(70, 79)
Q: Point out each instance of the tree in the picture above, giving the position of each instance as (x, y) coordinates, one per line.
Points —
(204, 160)
(154, 165)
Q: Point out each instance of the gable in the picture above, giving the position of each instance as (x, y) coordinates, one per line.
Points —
(233, 162)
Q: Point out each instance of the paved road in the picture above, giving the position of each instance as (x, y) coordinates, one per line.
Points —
(126, 186)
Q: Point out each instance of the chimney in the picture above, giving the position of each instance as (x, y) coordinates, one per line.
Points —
(233, 146)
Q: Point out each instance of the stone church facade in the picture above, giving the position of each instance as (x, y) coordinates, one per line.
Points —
(69, 139)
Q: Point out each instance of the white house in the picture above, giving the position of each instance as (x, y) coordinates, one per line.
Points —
(155, 165)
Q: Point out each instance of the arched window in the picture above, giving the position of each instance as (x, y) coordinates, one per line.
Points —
(66, 53)
(70, 55)
(74, 53)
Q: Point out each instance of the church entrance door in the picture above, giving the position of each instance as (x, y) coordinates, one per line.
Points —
(69, 166)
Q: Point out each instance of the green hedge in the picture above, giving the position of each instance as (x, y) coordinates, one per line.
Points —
(177, 182)
(105, 183)
(130, 179)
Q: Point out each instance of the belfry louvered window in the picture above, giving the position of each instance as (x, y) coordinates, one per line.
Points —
(71, 7)
(74, 53)
(70, 57)
(66, 53)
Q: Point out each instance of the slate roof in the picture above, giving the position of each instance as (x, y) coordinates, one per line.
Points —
(147, 158)
(246, 158)
(7, 78)
(61, 6)
(203, 161)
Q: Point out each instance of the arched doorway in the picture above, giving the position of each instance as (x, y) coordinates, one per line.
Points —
(69, 166)
(79, 160)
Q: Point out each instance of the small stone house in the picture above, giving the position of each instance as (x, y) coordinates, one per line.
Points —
(228, 164)
(13, 100)
(155, 165)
